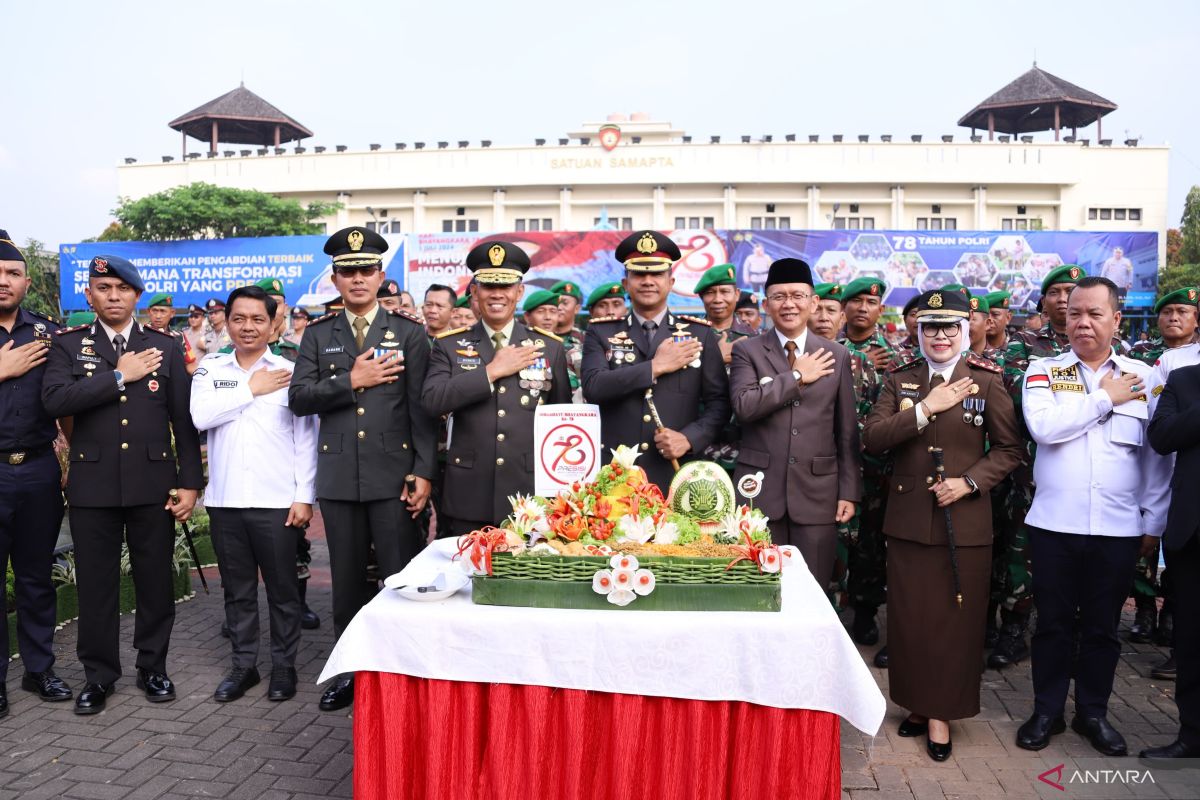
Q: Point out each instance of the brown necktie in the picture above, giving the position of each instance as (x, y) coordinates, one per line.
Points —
(498, 339)
(790, 347)
(360, 331)
(936, 381)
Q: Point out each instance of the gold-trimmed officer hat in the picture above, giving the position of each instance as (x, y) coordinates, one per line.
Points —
(647, 251)
(497, 263)
(356, 247)
(941, 306)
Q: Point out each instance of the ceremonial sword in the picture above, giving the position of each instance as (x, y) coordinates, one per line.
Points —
(939, 465)
(187, 534)
(658, 421)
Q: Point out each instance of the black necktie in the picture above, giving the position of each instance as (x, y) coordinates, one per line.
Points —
(119, 345)
(649, 326)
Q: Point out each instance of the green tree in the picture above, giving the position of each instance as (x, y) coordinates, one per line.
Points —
(42, 267)
(1174, 245)
(204, 211)
(1178, 276)
(1189, 228)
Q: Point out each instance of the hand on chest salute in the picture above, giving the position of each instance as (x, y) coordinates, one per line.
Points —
(135, 366)
(673, 355)
(370, 371)
(511, 360)
(947, 395)
(814, 366)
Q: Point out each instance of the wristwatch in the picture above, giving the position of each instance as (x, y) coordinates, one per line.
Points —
(799, 376)
(120, 379)
(974, 487)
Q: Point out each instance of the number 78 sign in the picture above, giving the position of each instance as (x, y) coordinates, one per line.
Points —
(566, 446)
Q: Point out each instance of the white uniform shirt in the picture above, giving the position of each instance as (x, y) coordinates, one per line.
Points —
(260, 455)
(1095, 471)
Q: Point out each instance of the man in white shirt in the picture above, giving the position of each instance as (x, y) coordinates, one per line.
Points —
(1100, 500)
(262, 464)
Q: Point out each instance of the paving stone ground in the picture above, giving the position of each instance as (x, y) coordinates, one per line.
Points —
(256, 749)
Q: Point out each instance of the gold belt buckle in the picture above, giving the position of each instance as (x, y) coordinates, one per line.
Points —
(16, 458)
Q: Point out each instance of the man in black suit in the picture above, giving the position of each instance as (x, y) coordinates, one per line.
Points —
(128, 389)
(361, 370)
(492, 377)
(650, 348)
(1175, 428)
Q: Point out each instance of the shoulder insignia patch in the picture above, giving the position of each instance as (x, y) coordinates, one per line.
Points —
(156, 330)
(408, 316)
(598, 320)
(976, 360)
(545, 332)
(324, 318)
(61, 331)
(46, 317)
(697, 320)
(452, 332)
(907, 365)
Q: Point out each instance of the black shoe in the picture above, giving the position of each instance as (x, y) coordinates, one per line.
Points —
(225, 630)
(938, 751)
(283, 684)
(1163, 756)
(909, 729)
(1164, 670)
(309, 619)
(1036, 732)
(864, 629)
(235, 684)
(1011, 647)
(47, 685)
(3, 700)
(990, 637)
(1102, 736)
(91, 698)
(157, 686)
(881, 658)
(339, 694)
(1165, 635)
(1143, 629)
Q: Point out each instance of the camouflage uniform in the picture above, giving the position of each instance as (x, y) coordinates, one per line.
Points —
(573, 343)
(724, 450)
(1148, 352)
(868, 558)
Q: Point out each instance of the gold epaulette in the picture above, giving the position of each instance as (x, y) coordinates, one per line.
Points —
(61, 331)
(605, 319)
(690, 318)
(452, 332)
(408, 315)
(161, 333)
(553, 336)
(907, 365)
(976, 360)
(324, 318)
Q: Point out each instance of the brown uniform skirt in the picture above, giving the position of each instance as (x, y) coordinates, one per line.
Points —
(935, 648)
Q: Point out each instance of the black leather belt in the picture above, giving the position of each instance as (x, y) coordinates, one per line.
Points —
(15, 457)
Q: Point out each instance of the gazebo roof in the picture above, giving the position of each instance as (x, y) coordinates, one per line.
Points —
(1027, 104)
(242, 118)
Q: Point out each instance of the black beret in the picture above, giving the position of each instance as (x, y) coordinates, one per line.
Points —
(788, 270)
(388, 288)
(356, 247)
(746, 300)
(8, 249)
(647, 251)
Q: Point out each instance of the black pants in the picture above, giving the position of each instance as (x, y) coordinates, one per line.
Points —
(350, 529)
(248, 541)
(1185, 573)
(817, 543)
(1089, 574)
(31, 511)
(97, 532)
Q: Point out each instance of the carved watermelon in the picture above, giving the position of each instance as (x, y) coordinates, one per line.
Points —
(701, 490)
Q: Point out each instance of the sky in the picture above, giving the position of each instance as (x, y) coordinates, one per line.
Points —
(86, 84)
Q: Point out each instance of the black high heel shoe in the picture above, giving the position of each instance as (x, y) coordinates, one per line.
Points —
(910, 729)
(938, 752)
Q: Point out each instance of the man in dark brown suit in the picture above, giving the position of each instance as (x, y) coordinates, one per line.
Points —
(793, 394)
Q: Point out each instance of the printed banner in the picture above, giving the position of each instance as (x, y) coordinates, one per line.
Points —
(195, 270)
(566, 446)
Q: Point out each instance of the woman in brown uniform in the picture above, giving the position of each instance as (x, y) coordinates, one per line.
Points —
(939, 563)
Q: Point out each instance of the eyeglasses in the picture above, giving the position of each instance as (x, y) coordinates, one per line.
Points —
(799, 298)
(943, 331)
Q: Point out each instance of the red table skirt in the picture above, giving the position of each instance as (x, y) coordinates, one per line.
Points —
(435, 739)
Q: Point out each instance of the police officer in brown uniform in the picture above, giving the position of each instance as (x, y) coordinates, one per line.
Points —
(492, 376)
(939, 565)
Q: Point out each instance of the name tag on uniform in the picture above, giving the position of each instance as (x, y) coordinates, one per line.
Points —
(225, 384)
(83, 357)
(1067, 386)
(334, 349)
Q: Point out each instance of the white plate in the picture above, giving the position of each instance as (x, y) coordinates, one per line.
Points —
(445, 547)
(442, 586)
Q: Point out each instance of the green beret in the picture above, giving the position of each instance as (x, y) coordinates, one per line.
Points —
(828, 291)
(720, 275)
(81, 318)
(464, 301)
(1187, 296)
(602, 291)
(1067, 273)
(569, 288)
(998, 299)
(872, 286)
(161, 299)
(272, 286)
(979, 303)
(957, 287)
(542, 297)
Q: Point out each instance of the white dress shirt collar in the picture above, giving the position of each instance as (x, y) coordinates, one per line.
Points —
(110, 332)
(800, 340)
(507, 330)
(657, 318)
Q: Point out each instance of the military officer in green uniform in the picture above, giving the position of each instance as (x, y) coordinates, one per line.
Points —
(361, 370)
(160, 310)
(606, 301)
(826, 321)
(492, 377)
(717, 289)
(540, 310)
(999, 316)
(674, 356)
(748, 312)
(278, 345)
(570, 300)
(862, 304)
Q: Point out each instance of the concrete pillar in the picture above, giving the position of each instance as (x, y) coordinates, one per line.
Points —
(815, 221)
(419, 212)
(897, 207)
(730, 210)
(565, 222)
(499, 215)
(658, 220)
(343, 213)
(981, 208)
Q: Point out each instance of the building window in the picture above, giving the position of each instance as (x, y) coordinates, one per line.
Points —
(851, 223)
(1131, 214)
(1118, 213)
(1105, 213)
(765, 223)
(460, 225)
(1093, 213)
(533, 224)
(1135, 214)
(950, 223)
(619, 223)
(1006, 224)
(384, 226)
(937, 223)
